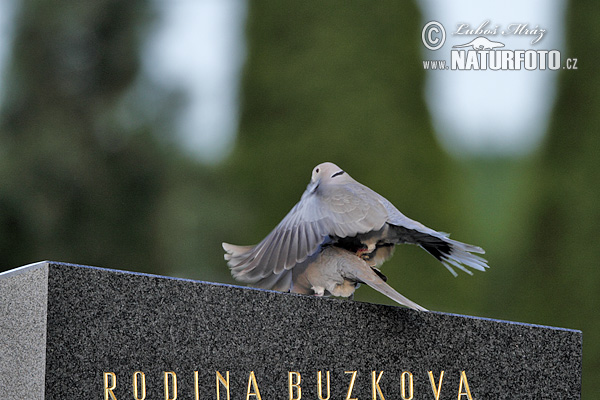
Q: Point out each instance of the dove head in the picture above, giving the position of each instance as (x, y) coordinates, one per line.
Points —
(328, 173)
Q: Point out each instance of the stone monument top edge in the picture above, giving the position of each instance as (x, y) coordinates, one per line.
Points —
(60, 264)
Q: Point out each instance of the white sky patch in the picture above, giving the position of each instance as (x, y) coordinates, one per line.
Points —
(198, 47)
(493, 112)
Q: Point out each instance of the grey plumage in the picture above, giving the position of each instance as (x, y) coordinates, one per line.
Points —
(334, 235)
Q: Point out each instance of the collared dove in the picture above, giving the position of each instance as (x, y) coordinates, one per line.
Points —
(335, 237)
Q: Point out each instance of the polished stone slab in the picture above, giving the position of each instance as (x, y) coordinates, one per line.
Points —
(69, 331)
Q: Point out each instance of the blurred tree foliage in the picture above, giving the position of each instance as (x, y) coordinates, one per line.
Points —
(78, 184)
(560, 278)
(88, 172)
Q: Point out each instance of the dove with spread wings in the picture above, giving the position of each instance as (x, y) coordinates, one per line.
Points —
(336, 237)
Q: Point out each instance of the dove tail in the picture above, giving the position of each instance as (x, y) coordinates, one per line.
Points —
(364, 273)
(452, 253)
(385, 289)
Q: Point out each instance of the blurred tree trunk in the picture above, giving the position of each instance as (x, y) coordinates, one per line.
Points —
(79, 175)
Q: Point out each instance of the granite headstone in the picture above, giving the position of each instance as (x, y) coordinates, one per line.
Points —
(77, 332)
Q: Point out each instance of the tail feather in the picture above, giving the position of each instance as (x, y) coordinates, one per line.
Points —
(362, 272)
(452, 253)
(382, 287)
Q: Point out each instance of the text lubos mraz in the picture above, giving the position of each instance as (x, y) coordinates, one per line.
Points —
(294, 385)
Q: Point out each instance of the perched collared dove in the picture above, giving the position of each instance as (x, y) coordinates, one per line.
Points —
(334, 238)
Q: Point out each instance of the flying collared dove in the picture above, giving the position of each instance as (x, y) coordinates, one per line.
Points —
(335, 237)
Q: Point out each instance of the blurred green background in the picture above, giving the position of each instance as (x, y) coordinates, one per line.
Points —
(90, 172)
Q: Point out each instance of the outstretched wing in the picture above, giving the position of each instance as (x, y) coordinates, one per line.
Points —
(324, 211)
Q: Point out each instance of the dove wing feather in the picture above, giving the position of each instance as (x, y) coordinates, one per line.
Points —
(328, 210)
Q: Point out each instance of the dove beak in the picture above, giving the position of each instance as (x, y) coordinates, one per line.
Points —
(313, 185)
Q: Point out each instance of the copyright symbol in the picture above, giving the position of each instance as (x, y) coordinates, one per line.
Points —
(433, 35)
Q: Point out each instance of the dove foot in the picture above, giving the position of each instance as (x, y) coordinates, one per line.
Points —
(364, 253)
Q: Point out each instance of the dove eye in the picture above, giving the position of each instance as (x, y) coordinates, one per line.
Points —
(337, 173)
(316, 170)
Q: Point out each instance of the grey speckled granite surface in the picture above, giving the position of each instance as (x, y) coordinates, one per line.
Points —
(23, 294)
(76, 332)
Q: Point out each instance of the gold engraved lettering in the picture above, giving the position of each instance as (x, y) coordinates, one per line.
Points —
(375, 385)
(138, 376)
(252, 382)
(403, 377)
(170, 376)
(320, 386)
(224, 382)
(292, 375)
(352, 379)
(463, 382)
(109, 387)
(196, 389)
(436, 390)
